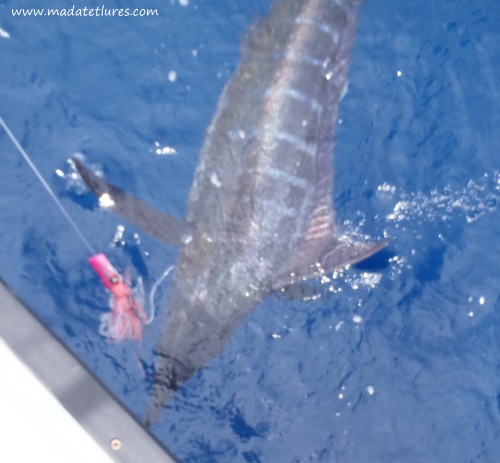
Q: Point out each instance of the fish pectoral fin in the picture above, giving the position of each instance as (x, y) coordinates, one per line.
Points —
(162, 226)
(317, 261)
(346, 251)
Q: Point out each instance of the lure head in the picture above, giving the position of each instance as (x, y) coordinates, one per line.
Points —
(107, 273)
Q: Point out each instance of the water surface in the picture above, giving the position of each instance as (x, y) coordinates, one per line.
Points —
(399, 360)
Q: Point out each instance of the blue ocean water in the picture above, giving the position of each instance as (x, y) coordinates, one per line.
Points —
(399, 361)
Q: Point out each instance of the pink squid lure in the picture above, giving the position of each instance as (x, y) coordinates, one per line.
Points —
(127, 317)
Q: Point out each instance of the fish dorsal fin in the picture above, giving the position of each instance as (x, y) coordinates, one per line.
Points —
(323, 248)
(163, 227)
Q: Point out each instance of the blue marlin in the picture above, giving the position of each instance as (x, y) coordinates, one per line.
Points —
(260, 213)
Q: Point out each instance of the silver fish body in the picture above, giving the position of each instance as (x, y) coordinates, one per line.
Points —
(260, 211)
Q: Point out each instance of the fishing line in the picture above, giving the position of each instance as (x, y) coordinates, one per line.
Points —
(45, 185)
(157, 283)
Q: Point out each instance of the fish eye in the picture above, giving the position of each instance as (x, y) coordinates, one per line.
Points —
(114, 279)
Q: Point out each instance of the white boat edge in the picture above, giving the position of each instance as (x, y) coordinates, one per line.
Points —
(34, 426)
(52, 409)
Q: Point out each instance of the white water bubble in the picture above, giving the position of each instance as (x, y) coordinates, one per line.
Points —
(4, 34)
(357, 319)
(165, 151)
(172, 76)
(106, 200)
(214, 179)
